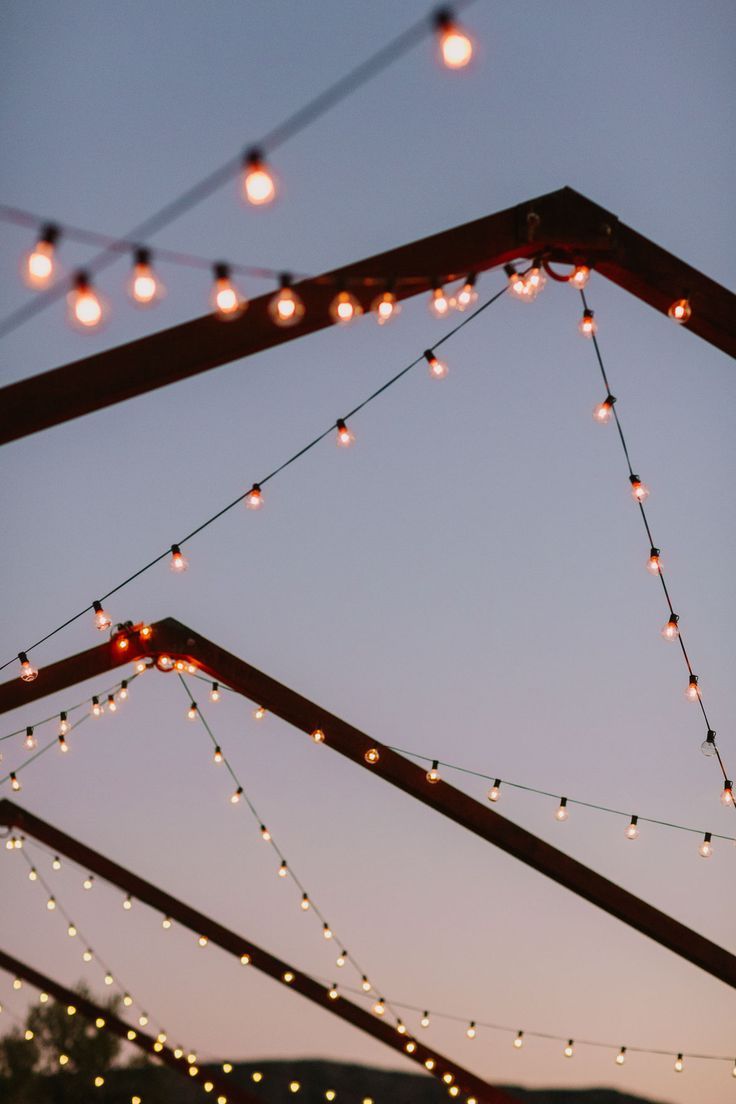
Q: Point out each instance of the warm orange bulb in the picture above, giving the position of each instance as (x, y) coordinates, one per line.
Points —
(692, 690)
(39, 265)
(671, 630)
(433, 774)
(84, 303)
(639, 490)
(587, 324)
(103, 621)
(579, 276)
(467, 295)
(517, 285)
(254, 497)
(344, 436)
(654, 563)
(344, 308)
(285, 307)
(603, 412)
(178, 561)
(456, 48)
(680, 311)
(27, 671)
(144, 287)
(439, 304)
(437, 368)
(259, 186)
(386, 307)
(226, 300)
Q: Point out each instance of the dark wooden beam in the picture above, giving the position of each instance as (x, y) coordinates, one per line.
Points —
(171, 637)
(221, 1085)
(13, 816)
(564, 225)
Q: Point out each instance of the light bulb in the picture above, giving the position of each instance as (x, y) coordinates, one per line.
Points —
(385, 306)
(203, 940)
(632, 828)
(14, 783)
(226, 300)
(344, 437)
(99, 1082)
(39, 264)
(706, 848)
(27, 671)
(327, 931)
(166, 923)
(88, 881)
(439, 304)
(285, 307)
(437, 368)
(692, 690)
(456, 48)
(71, 931)
(332, 992)
(215, 692)
(562, 812)
(535, 279)
(344, 308)
(97, 709)
(85, 308)
(680, 311)
(178, 561)
(603, 412)
(305, 902)
(471, 1030)
(254, 497)
(569, 1049)
(63, 745)
(217, 755)
(429, 1063)
(410, 1047)
(519, 1040)
(235, 798)
(144, 287)
(708, 746)
(639, 490)
(621, 1056)
(579, 276)
(341, 958)
(145, 632)
(294, 1086)
(112, 705)
(495, 791)
(433, 774)
(265, 834)
(259, 713)
(288, 977)
(245, 960)
(365, 984)
(30, 741)
(283, 869)
(51, 904)
(164, 662)
(28, 1034)
(379, 1007)
(587, 324)
(192, 712)
(143, 1019)
(467, 295)
(109, 979)
(64, 725)
(516, 283)
(128, 903)
(654, 563)
(259, 186)
(372, 756)
(87, 956)
(679, 1064)
(727, 792)
(103, 620)
(671, 630)
(33, 874)
(318, 736)
(424, 1022)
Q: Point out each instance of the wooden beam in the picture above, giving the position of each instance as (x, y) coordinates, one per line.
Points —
(199, 923)
(564, 225)
(85, 1007)
(177, 640)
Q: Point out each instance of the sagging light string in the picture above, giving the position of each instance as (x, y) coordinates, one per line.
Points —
(259, 181)
(285, 869)
(253, 497)
(604, 412)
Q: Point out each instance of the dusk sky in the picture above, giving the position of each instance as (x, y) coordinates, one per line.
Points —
(467, 582)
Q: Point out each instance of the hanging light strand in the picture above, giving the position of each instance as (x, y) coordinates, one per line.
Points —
(166, 554)
(640, 493)
(73, 708)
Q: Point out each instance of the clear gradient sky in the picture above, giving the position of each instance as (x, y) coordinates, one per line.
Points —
(467, 581)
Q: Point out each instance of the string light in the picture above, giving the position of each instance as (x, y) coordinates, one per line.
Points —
(85, 307)
(30, 741)
(603, 412)
(215, 692)
(226, 300)
(680, 311)
(569, 1049)
(178, 562)
(632, 829)
(706, 848)
(236, 796)
(254, 498)
(64, 725)
(621, 1056)
(579, 276)
(639, 490)
(495, 791)
(97, 709)
(14, 783)
(671, 630)
(259, 713)
(259, 186)
(217, 756)
(467, 296)
(344, 308)
(144, 288)
(56, 863)
(341, 958)
(535, 279)
(519, 1040)
(471, 1031)
(372, 755)
(439, 304)
(679, 1064)
(344, 437)
(386, 307)
(424, 1022)
(27, 671)
(587, 325)
(562, 812)
(265, 834)
(437, 368)
(456, 48)
(103, 621)
(433, 774)
(286, 307)
(88, 881)
(128, 903)
(380, 1007)
(654, 562)
(318, 736)
(192, 713)
(283, 869)
(40, 262)
(112, 705)
(692, 690)
(727, 792)
(305, 902)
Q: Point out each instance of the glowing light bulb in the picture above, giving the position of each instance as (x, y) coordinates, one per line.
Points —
(217, 756)
(433, 774)
(235, 798)
(587, 324)
(166, 923)
(603, 412)
(621, 1056)
(706, 848)
(256, 1076)
(14, 783)
(28, 1034)
(144, 287)
(680, 311)
(437, 368)
(99, 1082)
(439, 304)
(97, 709)
(467, 295)
(410, 1047)
(56, 863)
(51, 904)
(727, 792)
(305, 902)
(127, 1000)
(259, 713)
(495, 791)
(27, 671)
(143, 1019)
(401, 1027)
(88, 881)
(254, 497)
(259, 186)
(145, 632)
(429, 1063)
(569, 1049)
(639, 490)
(385, 307)
(372, 756)
(344, 437)
(679, 1064)
(519, 1040)
(535, 280)
(87, 957)
(692, 690)
(103, 621)
(30, 741)
(379, 1007)
(286, 308)
(112, 705)
(341, 958)
(344, 308)
(39, 263)
(516, 283)
(192, 712)
(579, 277)
(447, 1078)
(33, 874)
(128, 903)
(283, 869)
(424, 1022)
(203, 940)
(471, 1030)
(294, 1086)
(17, 983)
(164, 662)
(654, 563)
(456, 47)
(671, 630)
(226, 300)
(365, 984)
(85, 307)
(265, 834)
(318, 736)
(288, 977)
(327, 931)
(632, 829)
(245, 960)
(178, 561)
(562, 812)
(332, 992)
(215, 692)
(108, 978)
(71, 931)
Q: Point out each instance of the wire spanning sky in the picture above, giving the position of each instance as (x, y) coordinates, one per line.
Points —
(468, 580)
